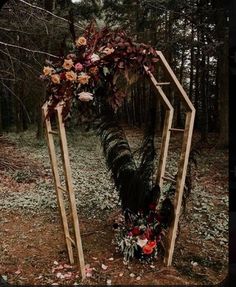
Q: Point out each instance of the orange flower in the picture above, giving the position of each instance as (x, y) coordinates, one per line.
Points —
(83, 79)
(68, 64)
(108, 51)
(148, 248)
(152, 244)
(93, 70)
(48, 71)
(55, 79)
(81, 41)
(71, 76)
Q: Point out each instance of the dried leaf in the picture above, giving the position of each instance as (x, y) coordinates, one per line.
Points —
(104, 267)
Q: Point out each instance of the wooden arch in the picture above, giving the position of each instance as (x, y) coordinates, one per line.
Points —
(61, 192)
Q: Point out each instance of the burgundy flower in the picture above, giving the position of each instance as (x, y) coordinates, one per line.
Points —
(152, 206)
(135, 231)
(63, 76)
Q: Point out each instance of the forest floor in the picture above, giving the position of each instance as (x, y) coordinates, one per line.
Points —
(32, 247)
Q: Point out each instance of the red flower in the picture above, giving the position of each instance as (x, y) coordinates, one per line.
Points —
(148, 248)
(135, 231)
(152, 244)
(152, 206)
(148, 233)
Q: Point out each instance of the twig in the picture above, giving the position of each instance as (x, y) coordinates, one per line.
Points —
(28, 50)
(50, 13)
(16, 31)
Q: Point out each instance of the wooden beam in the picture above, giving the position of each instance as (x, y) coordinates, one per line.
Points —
(68, 178)
(180, 182)
(54, 165)
(165, 140)
(166, 129)
(165, 101)
(183, 96)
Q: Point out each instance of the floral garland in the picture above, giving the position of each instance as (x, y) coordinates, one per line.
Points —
(97, 59)
(141, 235)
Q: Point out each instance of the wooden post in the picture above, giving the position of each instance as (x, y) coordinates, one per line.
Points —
(69, 188)
(184, 157)
(68, 178)
(57, 184)
(166, 129)
(181, 175)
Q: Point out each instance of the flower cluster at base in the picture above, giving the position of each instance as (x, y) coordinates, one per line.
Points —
(139, 235)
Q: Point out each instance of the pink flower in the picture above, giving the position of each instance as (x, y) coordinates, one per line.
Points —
(85, 96)
(94, 58)
(78, 67)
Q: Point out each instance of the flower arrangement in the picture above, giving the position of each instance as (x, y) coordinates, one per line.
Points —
(97, 59)
(139, 235)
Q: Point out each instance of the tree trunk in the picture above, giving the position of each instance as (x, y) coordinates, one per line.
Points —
(223, 75)
(1, 127)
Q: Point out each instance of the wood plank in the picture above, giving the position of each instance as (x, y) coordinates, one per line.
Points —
(68, 178)
(182, 170)
(176, 130)
(53, 132)
(184, 98)
(61, 188)
(60, 198)
(165, 140)
(71, 240)
(169, 179)
(165, 101)
(163, 83)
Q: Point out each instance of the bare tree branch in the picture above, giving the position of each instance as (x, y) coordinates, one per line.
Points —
(28, 50)
(50, 13)
(15, 31)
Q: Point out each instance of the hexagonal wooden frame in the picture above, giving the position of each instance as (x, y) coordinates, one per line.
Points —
(160, 176)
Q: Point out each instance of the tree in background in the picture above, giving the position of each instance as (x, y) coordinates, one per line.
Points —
(192, 34)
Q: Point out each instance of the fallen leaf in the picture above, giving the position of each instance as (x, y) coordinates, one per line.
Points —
(60, 275)
(132, 275)
(68, 275)
(68, 266)
(111, 259)
(104, 267)
(55, 263)
(108, 281)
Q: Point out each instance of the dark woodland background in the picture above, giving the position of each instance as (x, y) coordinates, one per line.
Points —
(192, 34)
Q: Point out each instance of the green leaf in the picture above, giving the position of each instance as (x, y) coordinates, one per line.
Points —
(106, 71)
